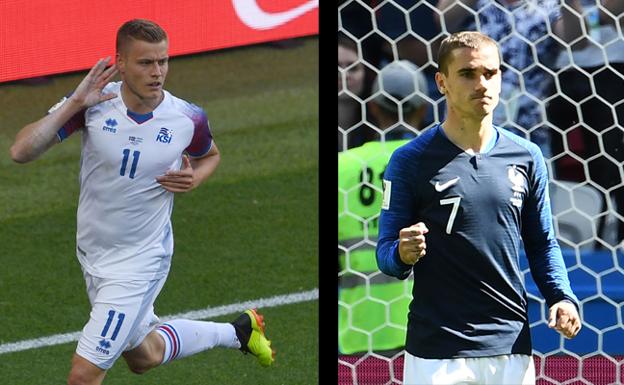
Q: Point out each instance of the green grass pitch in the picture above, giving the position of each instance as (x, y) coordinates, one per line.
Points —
(250, 231)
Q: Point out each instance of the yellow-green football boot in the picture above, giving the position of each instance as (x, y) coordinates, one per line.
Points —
(249, 328)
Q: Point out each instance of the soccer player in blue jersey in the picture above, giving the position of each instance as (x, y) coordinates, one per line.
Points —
(457, 201)
(140, 145)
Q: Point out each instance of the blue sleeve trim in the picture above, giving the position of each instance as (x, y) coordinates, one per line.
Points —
(74, 123)
(62, 134)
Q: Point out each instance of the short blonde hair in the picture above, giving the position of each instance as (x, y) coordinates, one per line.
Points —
(139, 29)
(463, 39)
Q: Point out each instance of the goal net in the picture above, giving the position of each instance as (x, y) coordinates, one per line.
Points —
(562, 92)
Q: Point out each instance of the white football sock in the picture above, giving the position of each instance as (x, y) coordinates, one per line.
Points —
(185, 337)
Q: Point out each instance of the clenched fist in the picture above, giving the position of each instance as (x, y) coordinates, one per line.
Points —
(412, 244)
(564, 318)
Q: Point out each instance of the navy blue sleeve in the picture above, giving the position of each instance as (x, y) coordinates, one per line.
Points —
(396, 213)
(542, 249)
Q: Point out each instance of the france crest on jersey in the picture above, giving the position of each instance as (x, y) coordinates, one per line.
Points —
(123, 227)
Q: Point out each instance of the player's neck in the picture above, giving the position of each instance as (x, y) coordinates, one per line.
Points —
(138, 104)
(470, 135)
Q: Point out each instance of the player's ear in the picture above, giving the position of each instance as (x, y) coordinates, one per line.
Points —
(439, 79)
(119, 61)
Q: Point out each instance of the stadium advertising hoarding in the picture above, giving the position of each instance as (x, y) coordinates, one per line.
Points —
(44, 37)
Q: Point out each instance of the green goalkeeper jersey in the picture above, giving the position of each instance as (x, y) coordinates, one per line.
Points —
(373, 307)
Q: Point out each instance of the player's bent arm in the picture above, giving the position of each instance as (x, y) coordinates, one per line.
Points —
(36, 138)
(396, 214)
(204, 167)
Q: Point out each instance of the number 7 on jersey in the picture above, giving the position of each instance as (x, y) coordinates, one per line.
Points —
(455, 202)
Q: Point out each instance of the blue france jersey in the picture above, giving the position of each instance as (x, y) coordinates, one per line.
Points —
(123, 222)
(468, 296)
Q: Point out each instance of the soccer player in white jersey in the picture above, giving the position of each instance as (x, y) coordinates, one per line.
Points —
(140, 145)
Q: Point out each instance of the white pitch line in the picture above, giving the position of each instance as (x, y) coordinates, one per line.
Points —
(209, 312)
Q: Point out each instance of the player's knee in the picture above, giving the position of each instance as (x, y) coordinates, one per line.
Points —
(78, 378)
(144, 357)
(138, 369)
(141, 366)
(84, 372)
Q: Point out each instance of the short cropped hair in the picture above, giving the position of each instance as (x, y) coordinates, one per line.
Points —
(139, 29)
(464, 39)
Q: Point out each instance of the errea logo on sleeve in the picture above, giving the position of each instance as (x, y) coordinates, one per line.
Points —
(387, 190)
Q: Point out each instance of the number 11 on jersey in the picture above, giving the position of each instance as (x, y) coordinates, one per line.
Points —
(124, 162)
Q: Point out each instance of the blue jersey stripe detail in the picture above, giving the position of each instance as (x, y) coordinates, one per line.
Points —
(62, 134)
(139, 118)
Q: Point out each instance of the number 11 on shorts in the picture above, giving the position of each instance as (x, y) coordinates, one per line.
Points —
(111, 315)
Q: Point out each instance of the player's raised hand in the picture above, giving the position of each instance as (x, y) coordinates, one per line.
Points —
(564, 318)
(178, 181)
(89, 91)
(412, 244)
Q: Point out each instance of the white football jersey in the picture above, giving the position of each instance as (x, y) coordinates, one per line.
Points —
(123, 226)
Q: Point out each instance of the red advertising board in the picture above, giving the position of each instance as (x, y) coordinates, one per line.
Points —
(42, 37)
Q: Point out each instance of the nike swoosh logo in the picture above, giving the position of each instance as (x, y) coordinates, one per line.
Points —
(441, 187)
(255, 17)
